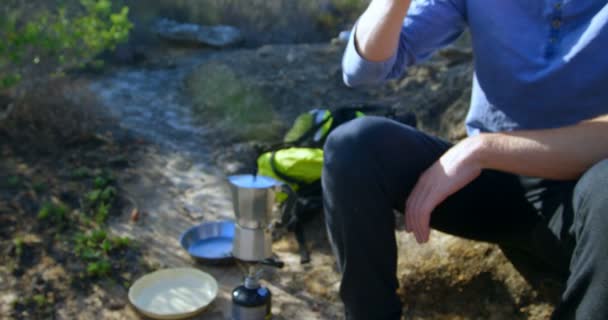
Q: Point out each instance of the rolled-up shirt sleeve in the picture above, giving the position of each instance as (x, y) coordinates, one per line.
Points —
(429, 25)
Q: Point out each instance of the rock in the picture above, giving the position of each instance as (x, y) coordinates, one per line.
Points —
(194, 211)
(291, 57)
(265, 51)
(7, 299)
(181, 164)
(219, 36)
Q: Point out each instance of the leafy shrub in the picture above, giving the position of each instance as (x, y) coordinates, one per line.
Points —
(19, 246)
(41, 41)
(95, 247)
(99, 200)
(13, 181)
(56, 213)
(49, 117)
(234, 105)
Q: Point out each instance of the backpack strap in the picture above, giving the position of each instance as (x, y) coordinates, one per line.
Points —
(300, 142)
(291, 220)
(310, 133)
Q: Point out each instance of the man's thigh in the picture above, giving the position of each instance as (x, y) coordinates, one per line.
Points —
(528, 217)
(495, 207)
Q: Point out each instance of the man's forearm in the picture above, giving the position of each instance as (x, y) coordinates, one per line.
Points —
(377, 33)
(561, 154)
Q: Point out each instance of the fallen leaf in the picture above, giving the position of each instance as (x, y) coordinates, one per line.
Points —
(134, 215)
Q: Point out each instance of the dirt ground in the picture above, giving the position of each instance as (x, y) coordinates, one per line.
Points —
(172, 188)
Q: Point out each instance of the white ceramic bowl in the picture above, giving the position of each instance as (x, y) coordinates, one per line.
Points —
(173, 293)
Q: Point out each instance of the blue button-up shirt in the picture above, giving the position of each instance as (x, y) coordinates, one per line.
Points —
(538, 63)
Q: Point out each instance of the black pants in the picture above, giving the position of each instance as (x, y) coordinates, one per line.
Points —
(371, 165)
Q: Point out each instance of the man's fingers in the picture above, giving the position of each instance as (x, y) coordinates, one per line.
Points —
(412, 209)
(420, 225)
(409, 224)
(423, 208)
(426, 228)
(409, 211)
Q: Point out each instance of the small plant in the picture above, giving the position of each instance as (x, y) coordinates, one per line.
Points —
(43, 43)
(102, 212)
(106, 246)
(99, 268)
(13, 181)
(101, 182)
(19, 246)
(107, 195)
(95, 248)
(39, 186)
(81, 173)
(92, 197)
(99, 201)
(219, 93)
(40, 300)
(98, 196)
(121, 242)
(56, 213)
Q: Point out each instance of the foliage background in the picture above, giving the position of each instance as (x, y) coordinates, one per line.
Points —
(44, 39)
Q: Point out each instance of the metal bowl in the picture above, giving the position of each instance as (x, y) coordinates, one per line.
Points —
(210, 242)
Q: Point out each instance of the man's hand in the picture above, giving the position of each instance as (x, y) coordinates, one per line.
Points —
(559, 154)
(378, 29)
(454, 170)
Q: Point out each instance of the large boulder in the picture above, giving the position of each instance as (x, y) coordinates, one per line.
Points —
(189, 33)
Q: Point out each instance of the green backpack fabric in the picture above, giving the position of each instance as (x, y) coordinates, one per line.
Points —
(294, 166)
(298, 162)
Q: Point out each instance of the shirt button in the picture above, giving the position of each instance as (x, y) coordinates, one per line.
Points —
(556, 23)
(558, 6)
(552, 40)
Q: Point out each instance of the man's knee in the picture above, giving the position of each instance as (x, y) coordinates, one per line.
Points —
(590, 196)
(355, 135)
(347, 147)
(359, 141)
(591, 187)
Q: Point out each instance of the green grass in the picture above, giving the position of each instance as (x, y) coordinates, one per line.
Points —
(57, 213)
(101, 268)
(99, 200)
(94, 248)
(81, 173)
(19, 246)
(101, 182)
(40, 300)
(221, 97)
(13, 181)
(39, 187)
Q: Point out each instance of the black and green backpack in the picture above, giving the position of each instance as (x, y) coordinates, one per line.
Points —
(298, 161)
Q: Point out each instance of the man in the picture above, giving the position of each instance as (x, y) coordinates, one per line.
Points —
(531, 176)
